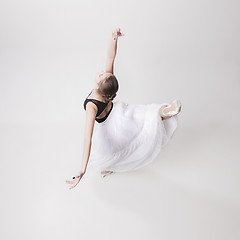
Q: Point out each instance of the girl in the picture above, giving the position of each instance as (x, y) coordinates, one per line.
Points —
(126, 136)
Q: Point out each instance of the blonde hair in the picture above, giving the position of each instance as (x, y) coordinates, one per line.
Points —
(108, 87)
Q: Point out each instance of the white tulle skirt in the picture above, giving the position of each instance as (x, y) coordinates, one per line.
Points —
(130, 138)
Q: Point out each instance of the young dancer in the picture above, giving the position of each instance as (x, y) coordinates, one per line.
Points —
(121, 137)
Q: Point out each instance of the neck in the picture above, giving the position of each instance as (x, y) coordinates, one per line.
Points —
(100, 96)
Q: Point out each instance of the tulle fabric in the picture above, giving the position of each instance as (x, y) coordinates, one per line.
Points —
(130, 138)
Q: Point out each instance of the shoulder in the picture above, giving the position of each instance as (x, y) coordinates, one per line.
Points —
(91, 111)
(91, 107)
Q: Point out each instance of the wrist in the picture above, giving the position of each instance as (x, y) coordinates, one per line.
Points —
(82, 172)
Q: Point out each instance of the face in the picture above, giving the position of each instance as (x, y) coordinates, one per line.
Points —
(100, 76)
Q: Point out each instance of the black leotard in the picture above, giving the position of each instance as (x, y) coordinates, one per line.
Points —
(100, 105)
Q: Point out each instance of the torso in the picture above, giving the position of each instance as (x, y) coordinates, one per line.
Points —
(106, 110)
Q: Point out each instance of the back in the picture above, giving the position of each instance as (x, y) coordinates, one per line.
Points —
(101, 106)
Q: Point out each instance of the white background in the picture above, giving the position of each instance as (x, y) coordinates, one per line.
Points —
(50, 52)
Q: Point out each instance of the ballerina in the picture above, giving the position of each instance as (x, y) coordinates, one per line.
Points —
(126, 136)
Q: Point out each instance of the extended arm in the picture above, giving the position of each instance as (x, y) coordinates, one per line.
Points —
(91, 111)
(111, 54)
(112, 51)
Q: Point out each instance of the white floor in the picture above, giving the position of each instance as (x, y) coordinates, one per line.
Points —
(50, 53)
(191, 191)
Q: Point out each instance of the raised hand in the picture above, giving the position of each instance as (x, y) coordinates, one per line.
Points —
(117, 33)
